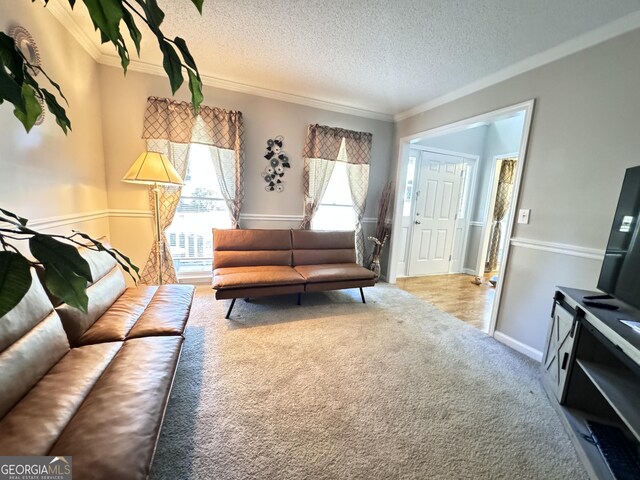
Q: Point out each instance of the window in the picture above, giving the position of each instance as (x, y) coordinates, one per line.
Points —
(408, 189)
(336, 209)
(201, 208)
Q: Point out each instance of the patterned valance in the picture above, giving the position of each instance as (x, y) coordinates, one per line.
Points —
(218, 127)
(166, 119)
(324, 142)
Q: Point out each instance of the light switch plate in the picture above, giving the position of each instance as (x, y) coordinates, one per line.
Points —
(523, 215)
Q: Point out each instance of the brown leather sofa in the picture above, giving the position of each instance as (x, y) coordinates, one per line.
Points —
(255, 263)
(94, 386)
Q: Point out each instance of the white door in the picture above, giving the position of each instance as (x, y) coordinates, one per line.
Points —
(437, 194)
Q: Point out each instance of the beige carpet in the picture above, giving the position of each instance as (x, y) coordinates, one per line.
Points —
(336, 389)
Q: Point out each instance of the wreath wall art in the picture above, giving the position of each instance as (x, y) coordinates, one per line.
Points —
(278, 161)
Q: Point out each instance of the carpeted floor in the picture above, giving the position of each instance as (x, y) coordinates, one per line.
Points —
(336, 389)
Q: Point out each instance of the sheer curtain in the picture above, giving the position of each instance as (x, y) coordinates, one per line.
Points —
(223, 132)
(170, 127)
(321, 150)
(358, 146)
(500, 209)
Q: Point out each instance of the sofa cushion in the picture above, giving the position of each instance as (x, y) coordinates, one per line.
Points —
(316, 247)
(167, 314)
(316, 239)
(36, 422)
(226, 259)
(114, 432)
(100, 264)
(142, 311)
(242, 248)
(102, 294)
(237, 277)
(32, 341)
(333, 272)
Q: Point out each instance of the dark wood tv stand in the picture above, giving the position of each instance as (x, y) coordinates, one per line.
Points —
(591, 371)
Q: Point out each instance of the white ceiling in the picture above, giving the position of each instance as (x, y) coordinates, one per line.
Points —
(383, 56)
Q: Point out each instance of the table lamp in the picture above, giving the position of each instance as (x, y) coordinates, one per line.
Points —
(154, 168)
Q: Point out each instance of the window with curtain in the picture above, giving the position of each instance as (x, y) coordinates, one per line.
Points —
(201, 208)
(336, 208)
(327, 149)
(207, 151)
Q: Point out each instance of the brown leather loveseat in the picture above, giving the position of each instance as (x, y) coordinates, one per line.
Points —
(93, 386)
(255, 263)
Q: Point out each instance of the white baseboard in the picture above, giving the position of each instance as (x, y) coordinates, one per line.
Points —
(518, 346)
(468, 271)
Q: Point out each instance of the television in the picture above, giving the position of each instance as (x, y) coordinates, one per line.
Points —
(620, 274)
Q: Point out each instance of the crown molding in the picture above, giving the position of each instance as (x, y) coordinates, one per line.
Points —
(582, 42)
(598, 35)
(211, 81)
(69, 23)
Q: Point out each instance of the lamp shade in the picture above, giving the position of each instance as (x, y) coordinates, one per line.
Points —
(152, 168)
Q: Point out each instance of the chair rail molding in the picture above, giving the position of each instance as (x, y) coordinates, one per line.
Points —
(561, 248)
(62, 220)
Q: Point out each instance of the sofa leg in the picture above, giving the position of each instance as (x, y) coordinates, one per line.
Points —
(233, 301)
(362, 295)
(299, 299)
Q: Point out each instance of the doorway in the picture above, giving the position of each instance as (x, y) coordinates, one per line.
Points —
(434, 216)
(453, 227)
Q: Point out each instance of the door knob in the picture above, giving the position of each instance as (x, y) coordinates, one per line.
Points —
(417, 222)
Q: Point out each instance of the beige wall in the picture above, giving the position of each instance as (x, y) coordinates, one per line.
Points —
(45, 174)
(584, 135)
(123, 104)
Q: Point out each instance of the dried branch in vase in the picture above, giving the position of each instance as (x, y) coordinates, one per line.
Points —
(383, 227)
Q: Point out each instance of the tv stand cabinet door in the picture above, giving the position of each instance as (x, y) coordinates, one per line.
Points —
(560, 351)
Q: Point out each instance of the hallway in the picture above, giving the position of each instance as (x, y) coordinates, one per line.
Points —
(455, 294)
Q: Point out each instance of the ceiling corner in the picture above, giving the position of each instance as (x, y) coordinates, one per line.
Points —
(69, 23)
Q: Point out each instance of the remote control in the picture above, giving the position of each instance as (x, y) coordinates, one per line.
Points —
(605, 306)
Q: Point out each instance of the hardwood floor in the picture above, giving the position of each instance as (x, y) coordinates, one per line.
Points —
(455, 294)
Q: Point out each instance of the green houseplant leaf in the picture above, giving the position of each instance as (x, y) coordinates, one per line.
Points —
(110, 18)
(106, 16)
(124, 261)
(32, 108)
(198, 4)
(172, 65)
(7, 213)
(54, 107)
(67, 286)
(134, 33)
(67, 273)
(15, 280)
(52, 252)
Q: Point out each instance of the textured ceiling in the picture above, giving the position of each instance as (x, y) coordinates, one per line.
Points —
(380, 55)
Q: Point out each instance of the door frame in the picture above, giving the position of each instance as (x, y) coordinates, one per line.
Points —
(405, 144)
(488, 211)
(472, 179)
